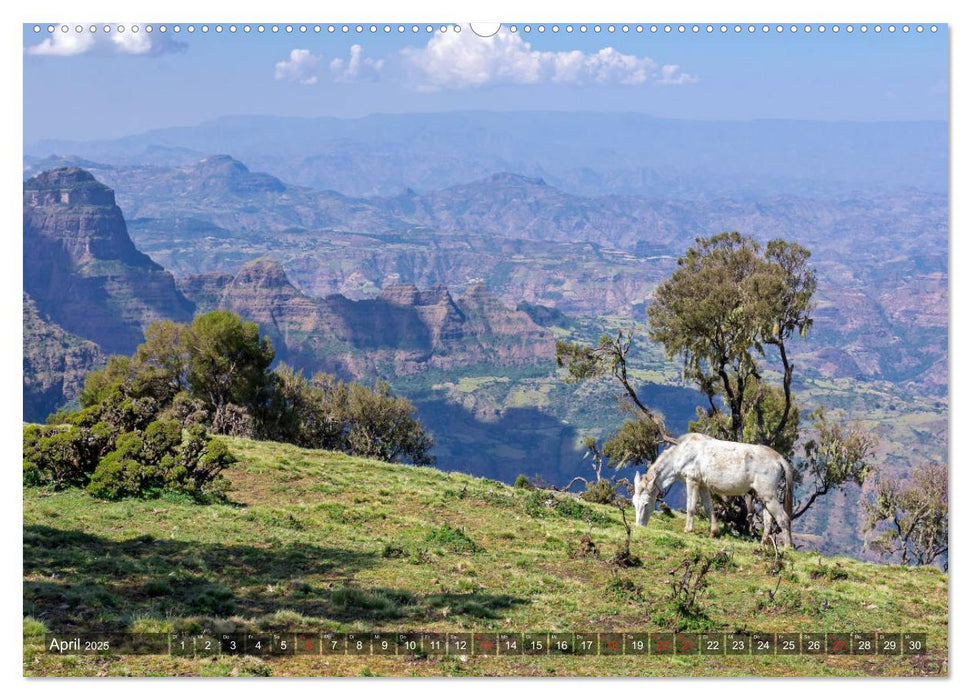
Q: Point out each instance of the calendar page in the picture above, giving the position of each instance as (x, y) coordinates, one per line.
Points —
(515, 349)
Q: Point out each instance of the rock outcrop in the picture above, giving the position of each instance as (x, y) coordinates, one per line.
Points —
(55, 363)
(83, 270)
(402, 331)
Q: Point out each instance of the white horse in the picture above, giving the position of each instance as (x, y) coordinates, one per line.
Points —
(705, 466)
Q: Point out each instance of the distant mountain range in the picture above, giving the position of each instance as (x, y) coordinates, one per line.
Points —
(882, 259)
(589, 153)
(89, 292)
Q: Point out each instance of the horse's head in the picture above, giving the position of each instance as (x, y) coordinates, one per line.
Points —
(645, 496)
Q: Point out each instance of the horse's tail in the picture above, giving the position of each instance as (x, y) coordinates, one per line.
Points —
(787, 500)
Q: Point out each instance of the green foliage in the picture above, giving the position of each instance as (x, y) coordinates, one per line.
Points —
(382, 426)
(304, 412)
(543, 504)
(636, 442)
(142, 426)
(909, 519)
(727, 302)
(454, 540)
(580, 361)
(834, 456)
(58, 456)
(163, 457)
(827, 572)
(325, 413)
(522, 482)
(226, 361)
(600, 492)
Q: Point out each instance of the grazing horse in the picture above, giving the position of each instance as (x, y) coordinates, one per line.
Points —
(708, 466)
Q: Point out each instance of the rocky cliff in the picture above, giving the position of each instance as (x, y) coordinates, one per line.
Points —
(402, 331)
(87, 290)
(55, 363)
(82, 269)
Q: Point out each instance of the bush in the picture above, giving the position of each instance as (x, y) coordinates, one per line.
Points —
(136, 463)
(453, 539)
(600, 492)
(59, 455)
(522, 482)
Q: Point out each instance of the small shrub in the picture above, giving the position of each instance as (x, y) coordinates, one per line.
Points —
(392, 551)
(452, 539)
(162, 457)
(583, 548)
(623, 588)
(600, 492)
(157, 587)
(378, 602)
(522, 482)
(212, 599)
(59, 455)
(831, 573)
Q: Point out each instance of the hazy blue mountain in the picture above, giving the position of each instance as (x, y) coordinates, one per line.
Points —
(584, 153)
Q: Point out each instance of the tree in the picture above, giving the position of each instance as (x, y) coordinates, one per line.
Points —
(382, 426)
(609, 358)
(727, 303)
(729, 311)
(909, 519)
(226, 360)
(166, 350)
(305, 412)
(833, 458)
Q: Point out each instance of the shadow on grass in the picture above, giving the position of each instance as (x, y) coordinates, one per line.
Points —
(76, 581)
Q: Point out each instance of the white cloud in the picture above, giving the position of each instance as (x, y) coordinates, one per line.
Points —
(67, 41)
(464, 60)
(58, 44)
(357, 67)
(302, 67)
(671, 76)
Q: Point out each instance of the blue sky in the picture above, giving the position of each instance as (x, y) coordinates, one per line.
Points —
(79, 86)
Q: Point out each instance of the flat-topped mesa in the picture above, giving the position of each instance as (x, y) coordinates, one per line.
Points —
(67, 187)
(82, 268)
(410, 295)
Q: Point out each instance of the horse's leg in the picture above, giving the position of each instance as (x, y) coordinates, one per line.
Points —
(706, 504)
(766, 524)
(773, 506)
(692, 504)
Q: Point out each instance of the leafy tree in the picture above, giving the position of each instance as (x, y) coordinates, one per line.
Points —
(609, 358)
(382, 426)
(834, 457)
(727, 303)
(165, 349)
(305, 412)
(909, 519)
(226, 360)
(730, 311)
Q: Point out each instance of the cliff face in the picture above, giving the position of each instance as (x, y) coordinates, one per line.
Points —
(402, 331)
(55, 363)
(82, 269)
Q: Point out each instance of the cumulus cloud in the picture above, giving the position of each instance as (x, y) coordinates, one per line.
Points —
(66, 41)
(357, 67)
(302, 67)
(672, 75)
(464, 60)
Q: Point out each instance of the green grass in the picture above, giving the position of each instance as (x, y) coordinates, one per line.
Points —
(318, 541)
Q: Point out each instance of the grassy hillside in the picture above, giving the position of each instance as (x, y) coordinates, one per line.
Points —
(320, 541)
